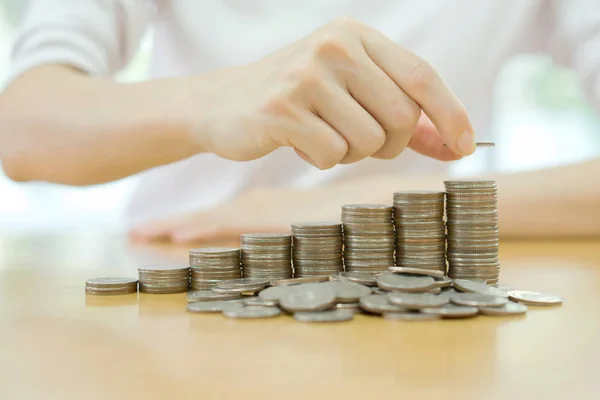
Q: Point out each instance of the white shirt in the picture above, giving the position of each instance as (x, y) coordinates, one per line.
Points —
(467, 41)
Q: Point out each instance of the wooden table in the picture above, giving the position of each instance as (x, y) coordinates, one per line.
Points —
(58, 343)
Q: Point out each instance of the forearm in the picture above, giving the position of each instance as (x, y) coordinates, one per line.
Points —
(61, 126)
(558, 202)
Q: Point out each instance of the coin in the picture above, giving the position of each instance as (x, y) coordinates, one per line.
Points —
(348, 292)
(443, 282)
(510, 308)
(378, 304)
(414, 301)
(208, 295)
(347, 306)
(405, 283)
(452, 311)
(364, 278)
(410, 316)
(297, 281)
(209, 306)
(465, 285)
(307, 297)
(252, 312)
(257, 301)
(478, 300)
(266, 255)
(416, 271)
(324, 316)
(272, 293)
(163, 279)
(244, 283)
(534, 298)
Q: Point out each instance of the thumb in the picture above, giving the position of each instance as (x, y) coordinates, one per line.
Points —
(427, 140)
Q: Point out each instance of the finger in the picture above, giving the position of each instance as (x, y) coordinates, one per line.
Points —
(340, 110)
(314, 140)
(397, 113)
(424, 85)
(427, 141)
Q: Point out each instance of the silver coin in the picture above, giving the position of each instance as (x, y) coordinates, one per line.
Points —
(272, 293)
(416, 271)
(452, 311)
(347, 306)
(251, 312)
(466, 285)
(410, 316)
(510, 308)
(405, 283)
(348, 292)
(208, 295)
(111, 282)
(436, 290)
(308, 297)
(210, 306)
(478, 300)
(534, 298)
(298, 281)
(378, 304)
(414, 301)
(240, 290)
(443, 282)
(324, 316)
(243, 283)
(257, 301)
(364, 278)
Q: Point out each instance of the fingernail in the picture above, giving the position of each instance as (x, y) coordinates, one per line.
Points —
(466, 143)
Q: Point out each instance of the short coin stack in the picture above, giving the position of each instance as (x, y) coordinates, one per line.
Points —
(317, 248)
(473, 235)
(368, 237)
(266, 255)
(111, 286)
(420, 230)
(164, 279)
(213, 264)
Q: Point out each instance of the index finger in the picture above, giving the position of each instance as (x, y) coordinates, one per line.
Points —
(423, 84)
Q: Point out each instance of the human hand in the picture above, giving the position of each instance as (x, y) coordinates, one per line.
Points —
(344, 93)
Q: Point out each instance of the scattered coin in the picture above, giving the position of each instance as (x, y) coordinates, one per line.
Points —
(111, 286)
(347, 306)
(443, 282)
(378, 304)
(478, 300)
(298, 281)
(417, 271)
(364, 278)
(348, 292)
(208, 295)
(272, 293)
(414, 301)
(510, 308)
(405, 283)
(257, 301)
(534, 298)
(324, 316)
(410, 316)
(465, 285)
(452, 311)
(252, 312)
(308, 297)
(210, 306)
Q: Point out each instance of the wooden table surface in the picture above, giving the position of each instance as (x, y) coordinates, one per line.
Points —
(58, 343)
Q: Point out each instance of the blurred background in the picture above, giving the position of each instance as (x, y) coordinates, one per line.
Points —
(539, 106)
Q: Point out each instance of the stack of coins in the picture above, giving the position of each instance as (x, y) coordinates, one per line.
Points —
(473, 235)
(317, 248)
(368, 237)
(164, 279)
(111, 286)
(420, 230)
(213, 264)
(266, 255)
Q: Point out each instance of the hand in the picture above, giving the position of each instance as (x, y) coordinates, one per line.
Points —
(344, 93)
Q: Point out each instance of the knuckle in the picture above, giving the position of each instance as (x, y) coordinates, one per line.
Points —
(337, 148)
(420, 74)
(278, 105)
(305, 78)
(377, 138)
(331, 47)
(405, 118)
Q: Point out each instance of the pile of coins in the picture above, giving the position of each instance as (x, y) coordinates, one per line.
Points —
(164, 279)
(317, 248)
(266, 255)
(420, 230)
(212, 265)
(473, 235)
(369, 241)
(111, 286)
(400, 294)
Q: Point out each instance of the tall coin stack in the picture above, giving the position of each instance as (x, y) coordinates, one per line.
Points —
(266, 255)
(368, 237)
(473, 235)
(317, 248)
(213, 264)
(164, 279)
(420, 230)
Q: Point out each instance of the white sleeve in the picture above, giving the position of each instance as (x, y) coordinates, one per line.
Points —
(98, 37)
(575, 42)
